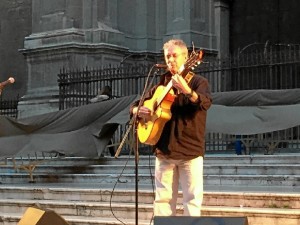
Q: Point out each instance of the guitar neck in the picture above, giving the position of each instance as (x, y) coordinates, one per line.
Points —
(183, 72)
(164, 93)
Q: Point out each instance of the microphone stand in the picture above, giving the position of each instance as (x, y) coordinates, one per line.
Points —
(133, 125)
(1, 88)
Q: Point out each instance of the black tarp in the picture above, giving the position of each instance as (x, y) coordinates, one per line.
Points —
(81, 131)
(254, 111)
(85, 131)
(260, 97)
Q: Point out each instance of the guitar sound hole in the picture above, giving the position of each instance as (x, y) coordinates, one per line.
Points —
(146, 125)
(154, 106)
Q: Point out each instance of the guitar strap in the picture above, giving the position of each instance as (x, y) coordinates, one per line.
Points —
(188, 77)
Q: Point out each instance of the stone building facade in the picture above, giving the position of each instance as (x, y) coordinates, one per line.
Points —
(15, 24)
(40, 37)
(93, 33)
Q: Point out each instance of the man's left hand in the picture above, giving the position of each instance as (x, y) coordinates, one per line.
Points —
(180, 84)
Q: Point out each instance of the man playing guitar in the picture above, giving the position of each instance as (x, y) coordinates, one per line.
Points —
(180, 144)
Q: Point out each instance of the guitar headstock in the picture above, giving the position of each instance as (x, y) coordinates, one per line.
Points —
(193, 61)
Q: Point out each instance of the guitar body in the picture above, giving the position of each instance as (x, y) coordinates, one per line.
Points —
(149, 131)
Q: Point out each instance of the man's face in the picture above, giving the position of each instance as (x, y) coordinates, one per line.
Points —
(175, 57)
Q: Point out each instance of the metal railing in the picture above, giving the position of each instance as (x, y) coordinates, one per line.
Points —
(9, 107)
(79, 87)
(257, 66)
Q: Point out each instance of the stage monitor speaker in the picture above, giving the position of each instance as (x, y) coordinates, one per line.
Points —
(190, 220)
(35, 216)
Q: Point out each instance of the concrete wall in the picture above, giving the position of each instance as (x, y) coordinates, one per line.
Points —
(15, 24)
(260, 21)
(78, 33)
(39, 37)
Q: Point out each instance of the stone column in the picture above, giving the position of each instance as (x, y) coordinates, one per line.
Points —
(192, 21)
(67, 34)
(222, 26)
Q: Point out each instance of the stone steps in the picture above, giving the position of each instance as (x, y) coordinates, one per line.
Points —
(211, 198)
(127, 210)
(101, 213)
(127, 180)
(230, 159)
(258, 170)
(253, 169)
(266, 189)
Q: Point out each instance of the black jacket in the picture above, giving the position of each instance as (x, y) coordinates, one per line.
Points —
(183, 136)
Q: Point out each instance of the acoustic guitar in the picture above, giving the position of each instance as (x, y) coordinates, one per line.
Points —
(160, 104)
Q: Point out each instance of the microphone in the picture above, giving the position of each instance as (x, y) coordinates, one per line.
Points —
(161, 66)
(10, 80)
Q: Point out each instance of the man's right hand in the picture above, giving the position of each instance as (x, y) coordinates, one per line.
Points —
(144, 113)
